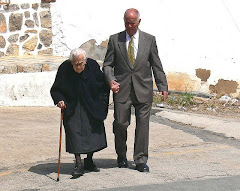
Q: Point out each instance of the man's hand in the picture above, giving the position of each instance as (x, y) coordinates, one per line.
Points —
(61, 105)
(114, 86)
(164, 94)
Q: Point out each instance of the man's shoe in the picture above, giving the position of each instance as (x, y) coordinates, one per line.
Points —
(90, 166)
(142, 167)
(122, 162)
(78, 170)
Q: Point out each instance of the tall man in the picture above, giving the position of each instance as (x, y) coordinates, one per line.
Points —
(131, 57)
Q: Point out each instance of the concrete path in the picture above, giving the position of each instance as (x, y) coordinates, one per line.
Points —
(178, 160)
(227, 126)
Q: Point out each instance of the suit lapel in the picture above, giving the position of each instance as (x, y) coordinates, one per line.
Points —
(122, 47)
(141, 47)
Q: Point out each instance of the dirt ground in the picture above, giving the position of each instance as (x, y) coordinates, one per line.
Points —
(207, 106)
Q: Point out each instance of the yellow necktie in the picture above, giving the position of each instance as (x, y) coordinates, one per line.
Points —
(131, 52)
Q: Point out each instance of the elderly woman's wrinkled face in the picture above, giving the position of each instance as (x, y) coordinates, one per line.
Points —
(78, 63)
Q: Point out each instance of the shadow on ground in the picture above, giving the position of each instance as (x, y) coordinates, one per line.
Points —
(67, 168)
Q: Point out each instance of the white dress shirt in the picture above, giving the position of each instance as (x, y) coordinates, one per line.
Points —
(135, 40)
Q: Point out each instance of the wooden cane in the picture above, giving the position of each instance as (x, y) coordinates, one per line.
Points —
(60, 145)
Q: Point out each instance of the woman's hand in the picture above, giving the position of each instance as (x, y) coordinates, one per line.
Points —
(61, 105)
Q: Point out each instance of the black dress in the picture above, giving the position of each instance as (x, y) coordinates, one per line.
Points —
(84, 132)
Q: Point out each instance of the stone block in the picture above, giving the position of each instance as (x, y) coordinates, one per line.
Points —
(2, 42)
(24, 37)
(45, 18)
(12, 50)
(39, 46)
(51, 67)
(47, 51)
(11, 7)
(45, 5)
(13, 38)
(35, 6)
(35, 17)
(15, 21)
(94, 51)
(31, 31)
(45, 67)
(31, 44)
(29, 23)
(27, 14)
(8, 69)
(25, 6)
(3, 25)
(2, 54)
(26, 68)
(46, 37)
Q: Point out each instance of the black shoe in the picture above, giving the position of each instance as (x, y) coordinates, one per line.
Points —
(122, 162)
(90, 166)
(78, 170)
(142, 167)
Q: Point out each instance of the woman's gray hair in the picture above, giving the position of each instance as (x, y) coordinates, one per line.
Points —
(77, 52)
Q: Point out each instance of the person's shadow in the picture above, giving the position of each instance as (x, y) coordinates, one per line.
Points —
(67, 168)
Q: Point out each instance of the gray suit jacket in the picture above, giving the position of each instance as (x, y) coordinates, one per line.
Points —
(117, 67)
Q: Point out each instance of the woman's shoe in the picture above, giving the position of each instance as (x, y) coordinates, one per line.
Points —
(90, 166)
(78, 170)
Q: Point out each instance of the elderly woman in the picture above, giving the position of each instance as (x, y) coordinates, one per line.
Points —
(80, 90)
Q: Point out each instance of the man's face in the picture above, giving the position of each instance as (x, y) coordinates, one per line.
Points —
(131, 23)
(78, 63)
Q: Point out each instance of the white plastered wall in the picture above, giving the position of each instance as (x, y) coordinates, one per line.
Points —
(190, 34)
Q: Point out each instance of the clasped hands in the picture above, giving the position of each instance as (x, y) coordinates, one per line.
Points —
(114, 86)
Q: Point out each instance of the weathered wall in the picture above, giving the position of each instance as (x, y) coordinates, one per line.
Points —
(26, 89)
(25, 29)
(198, 40)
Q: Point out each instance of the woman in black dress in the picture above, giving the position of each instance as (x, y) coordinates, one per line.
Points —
(80, 90)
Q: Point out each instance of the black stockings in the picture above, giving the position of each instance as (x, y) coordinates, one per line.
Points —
(78, 157)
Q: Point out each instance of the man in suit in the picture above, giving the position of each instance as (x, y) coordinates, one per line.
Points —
(131, 57)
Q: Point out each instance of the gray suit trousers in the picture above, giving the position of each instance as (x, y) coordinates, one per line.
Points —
(122, 115)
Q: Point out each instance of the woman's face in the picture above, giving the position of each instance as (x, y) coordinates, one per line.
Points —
(78, 63)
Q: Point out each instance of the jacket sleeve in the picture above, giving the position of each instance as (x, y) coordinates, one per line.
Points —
(109, 62)
(159, 75)
(104, 89)
(56, 90)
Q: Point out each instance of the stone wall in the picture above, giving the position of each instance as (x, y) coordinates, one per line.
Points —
(25, 29)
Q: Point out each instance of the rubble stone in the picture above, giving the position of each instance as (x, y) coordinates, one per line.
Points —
(46, 37)
(46, 20)
(15, 21)
(25, 6)
(2, 42)
(27, 14)
(31, 44)
(3, 25)
(12, 50)
(35, 6)
(13, 38)
(29, 23)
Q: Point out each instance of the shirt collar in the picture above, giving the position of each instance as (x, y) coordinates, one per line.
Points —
(134, 36)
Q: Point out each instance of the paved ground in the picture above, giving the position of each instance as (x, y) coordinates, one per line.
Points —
(181, 157)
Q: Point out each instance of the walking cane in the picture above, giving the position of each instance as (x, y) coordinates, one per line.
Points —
(60, 145)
